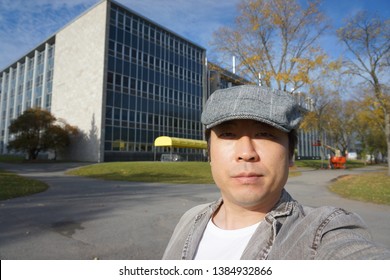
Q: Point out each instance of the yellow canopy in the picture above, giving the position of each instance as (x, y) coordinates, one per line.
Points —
(166, 141)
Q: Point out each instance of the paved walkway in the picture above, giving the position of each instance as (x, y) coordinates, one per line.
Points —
(83, 218)
(312, 189)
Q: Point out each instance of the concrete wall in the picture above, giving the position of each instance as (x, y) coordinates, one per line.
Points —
(78, 82)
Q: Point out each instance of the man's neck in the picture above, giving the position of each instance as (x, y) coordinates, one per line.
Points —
(231, 217)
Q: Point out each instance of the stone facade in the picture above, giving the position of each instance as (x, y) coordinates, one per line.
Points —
(78, 82)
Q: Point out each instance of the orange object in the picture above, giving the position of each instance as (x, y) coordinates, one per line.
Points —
(338, 162)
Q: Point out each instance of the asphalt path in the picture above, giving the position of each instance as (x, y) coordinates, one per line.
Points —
(83, 218)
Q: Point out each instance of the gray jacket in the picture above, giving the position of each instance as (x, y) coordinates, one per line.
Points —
(289, 231)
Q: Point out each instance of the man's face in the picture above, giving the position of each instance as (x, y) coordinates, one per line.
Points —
(249, 163)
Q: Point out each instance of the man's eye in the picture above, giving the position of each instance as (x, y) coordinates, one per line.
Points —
(226, 135)
(266, 135)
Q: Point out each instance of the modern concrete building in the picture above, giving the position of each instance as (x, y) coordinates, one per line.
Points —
(122, 79)
(219, 78)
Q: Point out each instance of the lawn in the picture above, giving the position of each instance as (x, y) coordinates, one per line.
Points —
(13, 185)
(164, 172)
(371, 187)
(11, 159)
(317, 163)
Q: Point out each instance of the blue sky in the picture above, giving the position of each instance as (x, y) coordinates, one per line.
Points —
(25, 23)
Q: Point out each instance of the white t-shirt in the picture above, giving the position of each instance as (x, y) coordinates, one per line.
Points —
(220, 244)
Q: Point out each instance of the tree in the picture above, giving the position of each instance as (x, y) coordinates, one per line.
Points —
(320, 114)
(57, 137)
(368, 125)
(341, 124)
(367, 39)
(276, 39)
(36, 130)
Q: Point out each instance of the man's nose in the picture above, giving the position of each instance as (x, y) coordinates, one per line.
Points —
(246, 150)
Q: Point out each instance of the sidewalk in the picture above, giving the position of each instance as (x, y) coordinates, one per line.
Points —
(83, 218)
(311, 189)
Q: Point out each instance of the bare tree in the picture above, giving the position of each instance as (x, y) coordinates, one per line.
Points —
(367, 39)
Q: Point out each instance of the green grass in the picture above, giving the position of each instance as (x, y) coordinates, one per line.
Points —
(164, 172)
(11, 159)
(13, 185)
(370, 187)
(316, 163)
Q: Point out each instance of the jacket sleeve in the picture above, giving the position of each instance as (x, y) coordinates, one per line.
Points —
(343, 235)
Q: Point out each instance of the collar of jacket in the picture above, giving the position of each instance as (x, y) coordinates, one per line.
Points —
(262, 240)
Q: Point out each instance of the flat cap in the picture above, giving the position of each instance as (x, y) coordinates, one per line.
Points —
(274, 107)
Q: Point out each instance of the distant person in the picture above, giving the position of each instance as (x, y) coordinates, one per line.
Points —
(251, 135)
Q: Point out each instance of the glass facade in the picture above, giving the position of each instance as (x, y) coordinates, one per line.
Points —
(154, 88)
(306, 139)
(25, 84)
(306, 147)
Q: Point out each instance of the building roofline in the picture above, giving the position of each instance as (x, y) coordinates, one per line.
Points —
(30, 53)
(155, 23)
(228, 74)
(51, 38)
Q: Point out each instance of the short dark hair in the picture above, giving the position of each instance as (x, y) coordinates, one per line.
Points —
(292, 141)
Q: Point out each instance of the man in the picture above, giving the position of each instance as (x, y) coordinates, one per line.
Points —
(251, 137)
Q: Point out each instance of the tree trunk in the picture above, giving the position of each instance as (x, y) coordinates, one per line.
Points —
(387, 132)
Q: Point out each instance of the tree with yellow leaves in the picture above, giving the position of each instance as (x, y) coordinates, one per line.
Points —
(276, 40)
(368, 124)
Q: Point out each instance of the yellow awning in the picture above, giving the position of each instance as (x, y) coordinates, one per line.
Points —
(166, 141)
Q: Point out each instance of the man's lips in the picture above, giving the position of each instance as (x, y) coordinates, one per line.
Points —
(247, 177)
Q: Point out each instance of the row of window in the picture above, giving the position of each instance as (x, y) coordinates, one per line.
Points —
(130, 23)
(123, 117)
(124, 139)
(124, 146)
(128, 146)
(152, 76)
(142, 134)
(172, 107)
(179, 94)
(172, 65)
